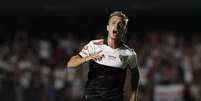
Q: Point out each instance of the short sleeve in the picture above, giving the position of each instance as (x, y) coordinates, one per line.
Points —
(133, 60)
(87, 50)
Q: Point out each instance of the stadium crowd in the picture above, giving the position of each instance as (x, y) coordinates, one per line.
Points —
(34, 68)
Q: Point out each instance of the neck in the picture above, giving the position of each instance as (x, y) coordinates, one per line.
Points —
(113, 43)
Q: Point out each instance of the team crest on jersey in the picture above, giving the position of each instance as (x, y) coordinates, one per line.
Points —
(123, 58)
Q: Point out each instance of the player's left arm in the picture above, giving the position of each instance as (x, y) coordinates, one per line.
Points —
(134, 83)
(134, 68)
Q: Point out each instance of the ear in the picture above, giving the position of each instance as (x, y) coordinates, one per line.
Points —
(107, 28)
(123, 37)
(126, 30)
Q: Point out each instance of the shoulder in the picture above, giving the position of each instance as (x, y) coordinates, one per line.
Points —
(91, 47)
(94, 43)
(97, 42)
(130, 50)
(132, 58)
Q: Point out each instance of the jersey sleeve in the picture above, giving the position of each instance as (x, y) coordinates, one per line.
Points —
(133, 60)
(87, 50)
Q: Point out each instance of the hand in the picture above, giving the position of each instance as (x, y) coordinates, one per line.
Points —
(95, 57)
(132, 98)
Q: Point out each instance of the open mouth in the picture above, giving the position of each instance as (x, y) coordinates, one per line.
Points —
(114, 31)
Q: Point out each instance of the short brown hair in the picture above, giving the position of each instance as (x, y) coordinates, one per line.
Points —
(120, 14)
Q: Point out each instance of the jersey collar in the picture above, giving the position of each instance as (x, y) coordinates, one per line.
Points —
(119, 45)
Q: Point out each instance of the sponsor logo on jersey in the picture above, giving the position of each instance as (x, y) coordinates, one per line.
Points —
(112, 57)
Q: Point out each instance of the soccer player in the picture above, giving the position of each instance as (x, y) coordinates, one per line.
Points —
(109, 60)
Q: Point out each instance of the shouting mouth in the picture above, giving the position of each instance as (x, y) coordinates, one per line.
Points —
(115, 32)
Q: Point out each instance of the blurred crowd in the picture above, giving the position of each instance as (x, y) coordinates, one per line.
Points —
(34, 68)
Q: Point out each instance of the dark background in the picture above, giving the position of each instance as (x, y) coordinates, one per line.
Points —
(58, 15)
(37, 38)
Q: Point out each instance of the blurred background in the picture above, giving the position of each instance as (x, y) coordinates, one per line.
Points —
(37, 38)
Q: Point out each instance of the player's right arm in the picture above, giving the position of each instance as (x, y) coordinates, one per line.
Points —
(86, 54)
(77, 60)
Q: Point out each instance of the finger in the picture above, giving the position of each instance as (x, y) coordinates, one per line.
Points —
(99, 51)
(94, 59)
(99, 58)
(102, 56)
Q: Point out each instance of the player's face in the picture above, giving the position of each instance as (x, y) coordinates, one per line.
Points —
(116, 27)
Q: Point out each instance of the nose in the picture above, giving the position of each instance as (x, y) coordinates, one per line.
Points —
(118, 25)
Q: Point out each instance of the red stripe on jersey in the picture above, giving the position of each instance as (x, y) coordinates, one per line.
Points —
(99, 42)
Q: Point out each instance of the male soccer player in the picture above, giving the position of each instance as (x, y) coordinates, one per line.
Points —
(109, 60)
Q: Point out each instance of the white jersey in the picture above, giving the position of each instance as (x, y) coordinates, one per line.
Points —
(120, 57)
(106, 77)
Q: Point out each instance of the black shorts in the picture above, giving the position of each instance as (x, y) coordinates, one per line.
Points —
(98, 98)
(97, 95)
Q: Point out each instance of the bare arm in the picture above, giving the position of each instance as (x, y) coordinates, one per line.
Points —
(77, 60)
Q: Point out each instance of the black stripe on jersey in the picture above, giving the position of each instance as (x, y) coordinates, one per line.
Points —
(105, 81)
(102, 71)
